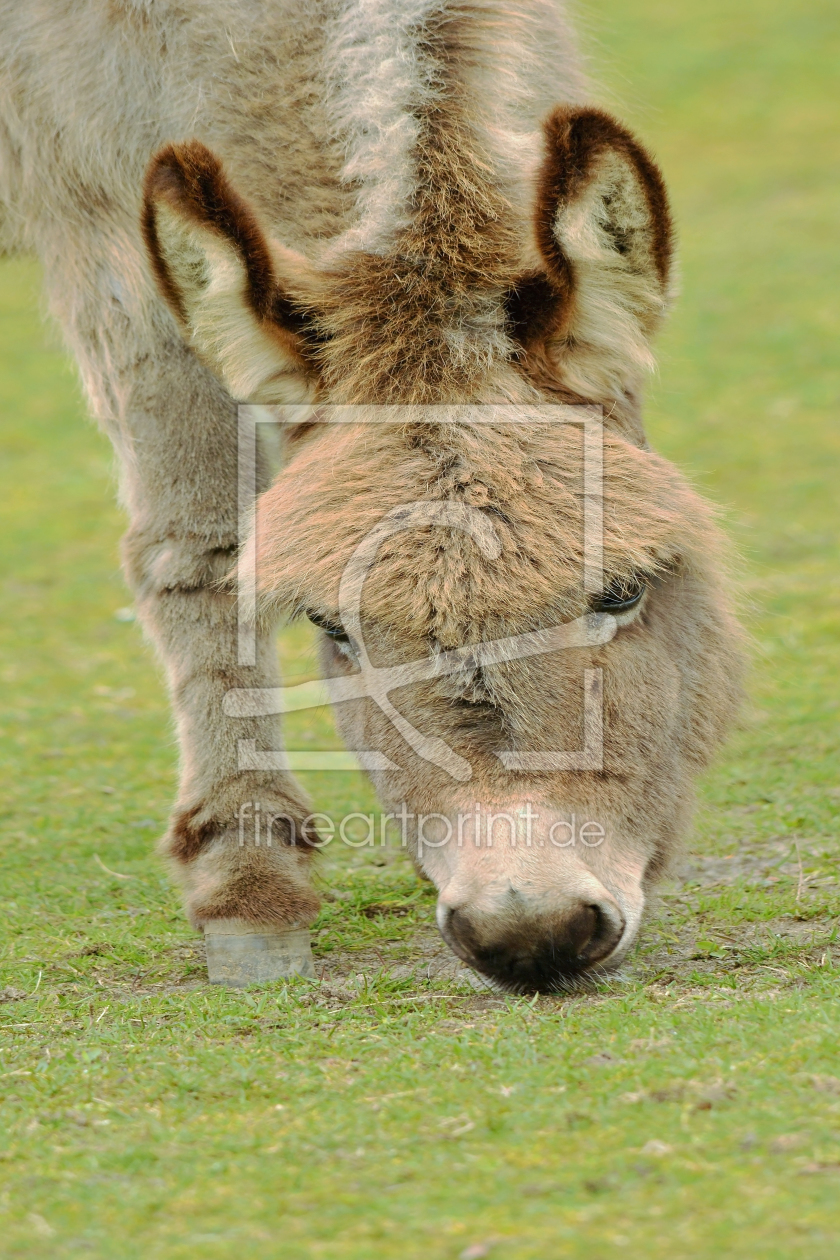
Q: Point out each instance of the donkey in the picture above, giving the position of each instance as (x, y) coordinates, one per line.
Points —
(409, 206)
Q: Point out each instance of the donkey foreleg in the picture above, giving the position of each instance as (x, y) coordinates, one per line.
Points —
(237, 842)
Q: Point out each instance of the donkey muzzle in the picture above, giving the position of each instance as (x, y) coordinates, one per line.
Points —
(531, 950)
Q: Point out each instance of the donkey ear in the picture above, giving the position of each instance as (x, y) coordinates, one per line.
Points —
(604, 231)
(218, 272)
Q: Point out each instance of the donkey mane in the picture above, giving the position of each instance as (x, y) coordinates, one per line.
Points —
(437, 108)
(444, 112)
(430, 89)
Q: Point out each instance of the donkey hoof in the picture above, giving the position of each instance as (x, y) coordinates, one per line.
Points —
(240, 953)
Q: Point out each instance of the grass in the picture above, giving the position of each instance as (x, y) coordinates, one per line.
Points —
(691, 1109)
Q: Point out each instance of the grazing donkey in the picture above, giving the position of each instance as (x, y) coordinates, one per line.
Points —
(385, 203)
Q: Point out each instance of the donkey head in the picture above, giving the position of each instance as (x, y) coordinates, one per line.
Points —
(534, 698)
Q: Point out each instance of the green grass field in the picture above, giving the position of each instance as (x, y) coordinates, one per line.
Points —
(688, 1109)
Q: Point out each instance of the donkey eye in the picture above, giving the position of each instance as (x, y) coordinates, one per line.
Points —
(621, 595)
(332, 629)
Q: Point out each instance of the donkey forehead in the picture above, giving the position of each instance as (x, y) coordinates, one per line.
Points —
(494, 530)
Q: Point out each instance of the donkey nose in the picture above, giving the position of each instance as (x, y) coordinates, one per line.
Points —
(535, 954)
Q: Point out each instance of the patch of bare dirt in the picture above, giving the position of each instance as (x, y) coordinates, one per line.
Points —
(344, 975)
(761, 864)
(677, 944)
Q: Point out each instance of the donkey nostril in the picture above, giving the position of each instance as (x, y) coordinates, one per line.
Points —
(458, 931)
(599, 930)
(577, 930)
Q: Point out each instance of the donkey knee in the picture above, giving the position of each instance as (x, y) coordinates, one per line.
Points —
(156, 567)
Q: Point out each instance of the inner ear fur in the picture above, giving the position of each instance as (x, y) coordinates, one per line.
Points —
(603, 228)
(217, 270)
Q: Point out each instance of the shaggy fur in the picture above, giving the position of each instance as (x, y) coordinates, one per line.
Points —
(670, 678)
(377, 202)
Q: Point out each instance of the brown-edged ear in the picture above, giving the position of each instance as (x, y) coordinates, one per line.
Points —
(217, 270)
(604, 231)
